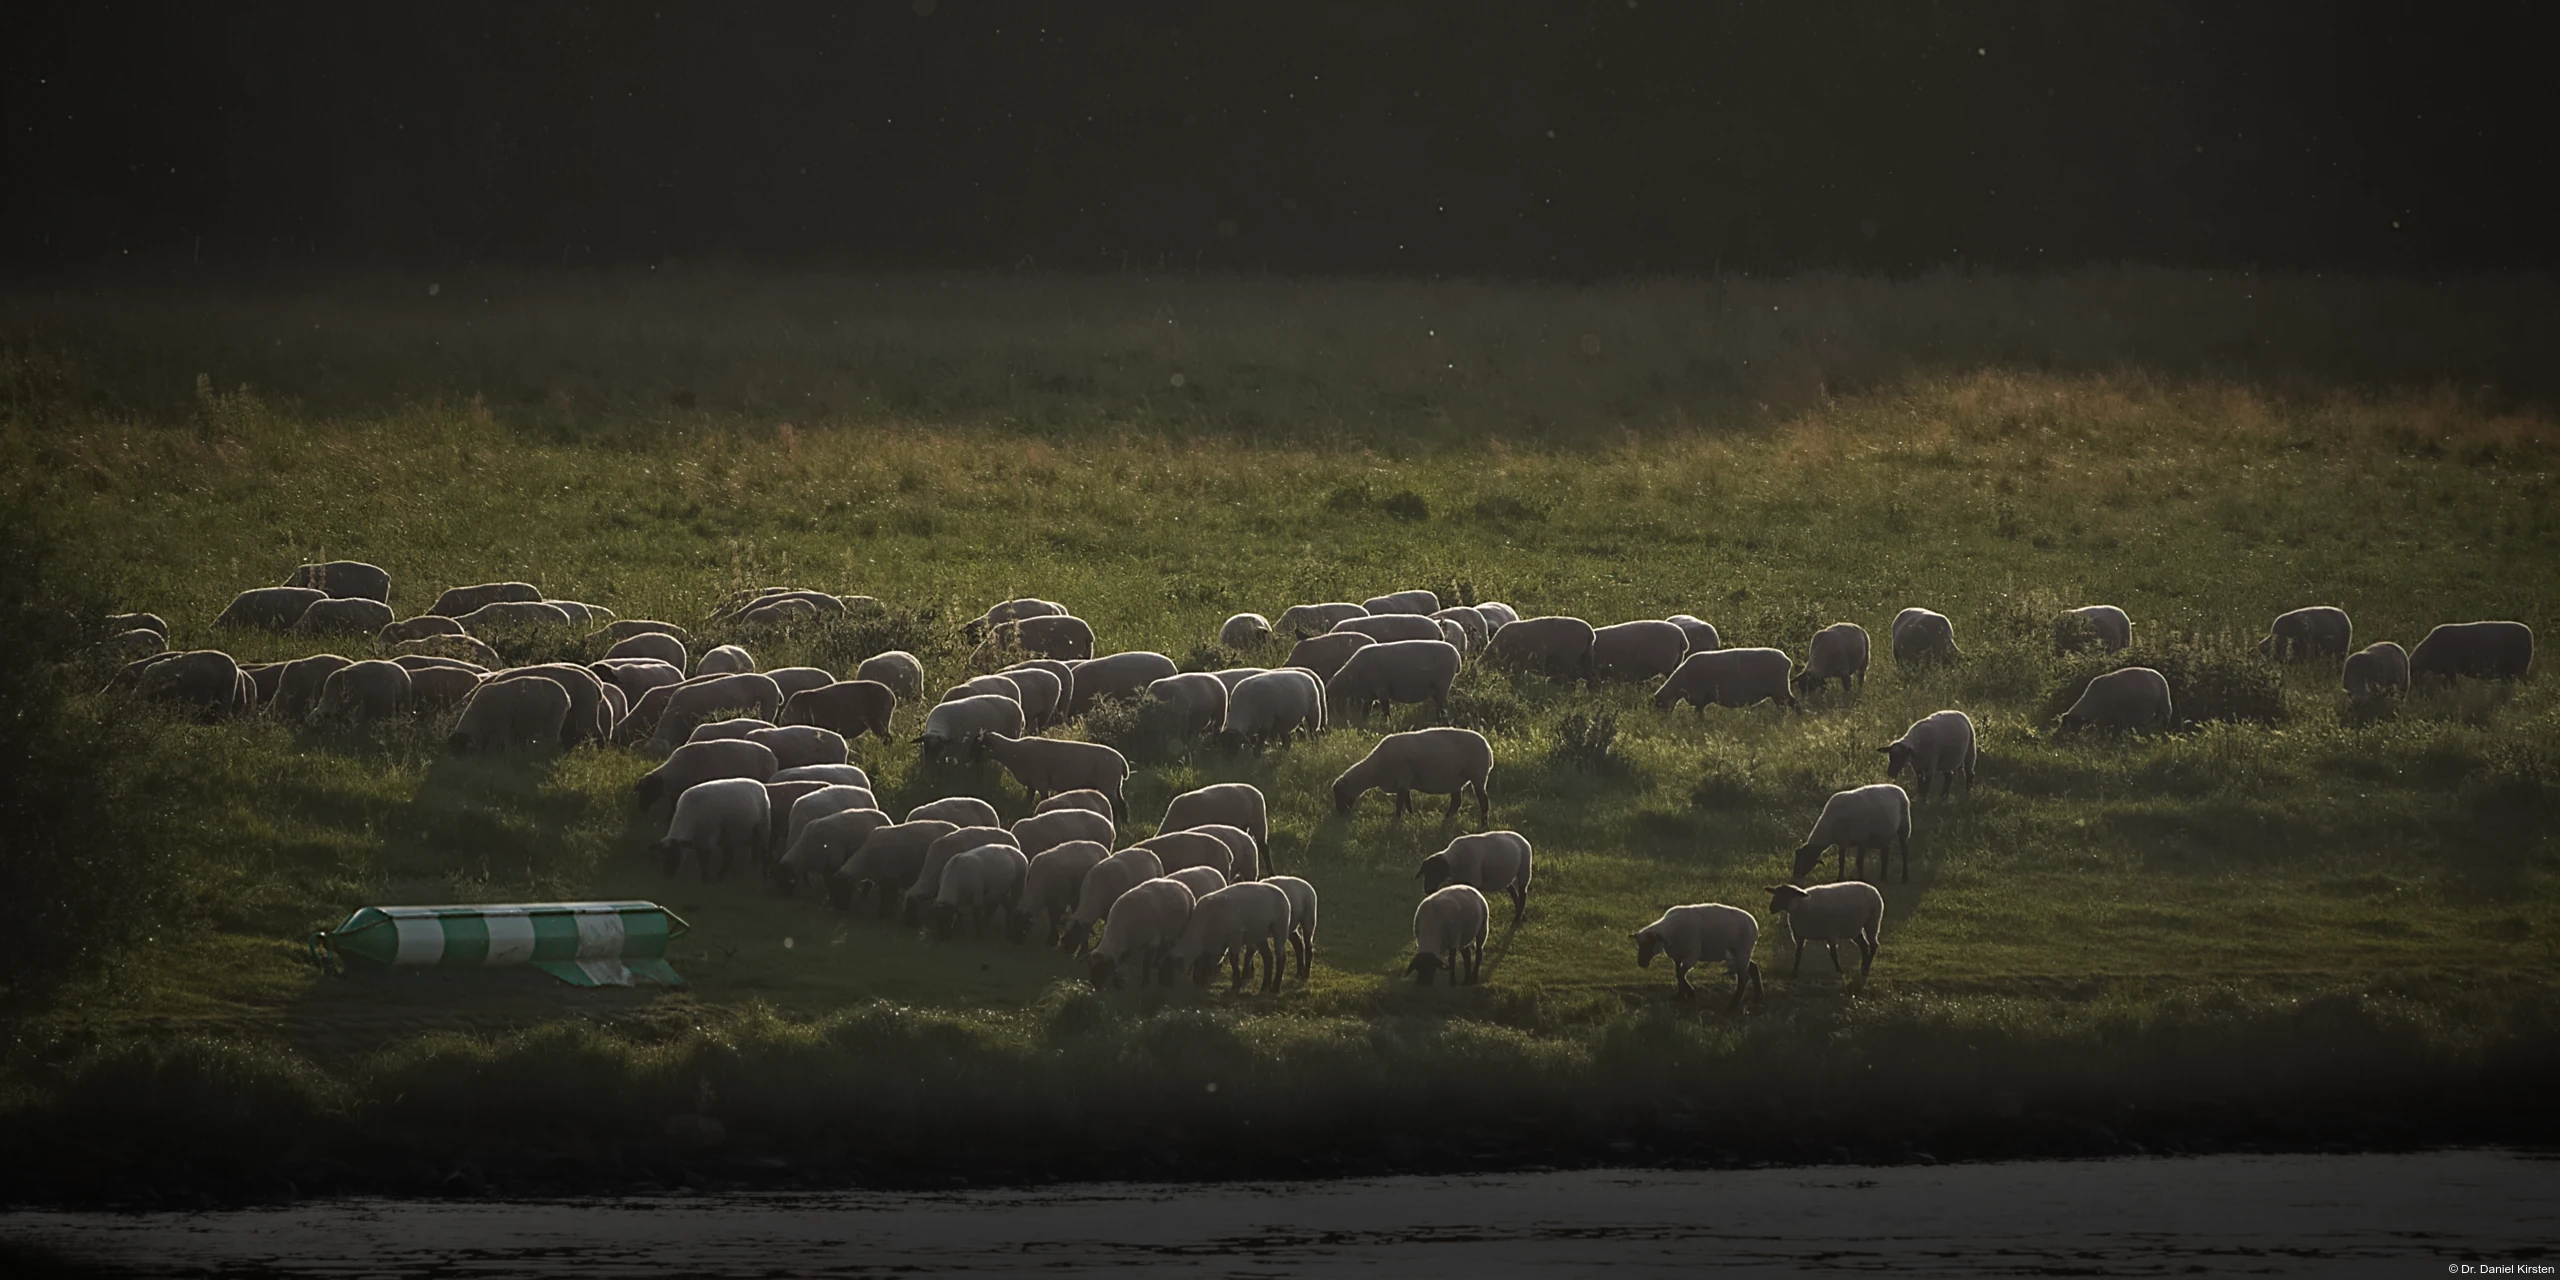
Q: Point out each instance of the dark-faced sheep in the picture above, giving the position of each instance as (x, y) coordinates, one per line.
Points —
(271, 607)
(344, 580)
(849, 707)
(1433, 761)
(1938, 746)
(1728, 678)
(2320, 631)
(1638, 651)
(517, 715)
(2131, 698)
(1704, 933)
(2479, 650)
(1448, 933)
(1876, 816)
(1325, 654)
(2103, 623)
(2375, 670)
(1396, 671)
(1923, 635)
(1555, 647)
(1839, 652)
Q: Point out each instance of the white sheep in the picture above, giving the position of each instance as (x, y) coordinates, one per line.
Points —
(590, 711)
(704, 697)
(801, 744)
(825, 845)
(1385, 627)
(851, 708)
(418, 628)
(2375, 670)
(928, 881)
(1303, 620)
(794, 681)
(1455, 634)
(2319, 631)
(1141, 926)
(516, 715)
(1240, 922)
(1102, 886)
(1489, 861)
(1198, 701)
(1638, 650)
(1059, 826)
(724, 816)
(1302, 919)
(967, 722)
(2480, 650)
(1202, 881)
(504, 614)
(1047, 766)
(1497, 615)
(963, 811)
(344, 616)
(1876, 816)
(2105, 623)
(1233, 676)
(849, 775)
(1060, 636)
(1271, 706)
(1470, 620)
(980, 883)
(824, 799)
(1040, 692)
(1921, 635)
(699, 762)
(1558, 648)
(895, 668)
(1448, 933)
(1839, 652)
(1324, 655)
(975, 686)
(733, 729)
(272, 607)
(1395, 671)
(1728, 678)
(728, 659)
(1415, 601)
(1700, 633)
(1190, 848)
(363, 692)
(1057, 874)
(1081, 798)
(1939, 745)
(885, 864)
(1847, 910)
(1432, 761)
(1247, 854)
(1120, 675)
(459, 601)
(2130, 698)
(1244, 631)
(1704, 933)
(344, 579)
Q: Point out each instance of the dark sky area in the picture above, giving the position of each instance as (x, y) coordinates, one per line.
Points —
(1478, 136)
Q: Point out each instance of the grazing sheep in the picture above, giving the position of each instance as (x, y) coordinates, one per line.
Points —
(1638, 650)
(1065, 673)
(1923, 635)
(1497, 615)
(962, 811)
(1244, 631)
(363, 692)
(1325, 654)
(2480, 650)
(1121, 675)
(1233, 676)
(851, 708)
(1704, 933)
(1302, 918)
(1455, 635)
(779, 797)
(1056, 876)
(1839, 652)
(822, 799)
(624, 628)
(1198, 700)
(1202, 881)
(1490, 861)
(208, 680)
(938, 855)
(793, 680)
(580, 612)
(1081, 798)
(1384, 627)
(1243, 851)
(728, 659)
(699, 762)
(637, 676)
(738, 727)
(265, 676)
(617, 705)
(2104, 623)
(1142, 926)
(700, 698)
(590, 714)
(1876, 816)
(1938, 745)
(778, 613)
(272, 607)
(515, 613)
(2375, 670)
(1470, 620)
(1700, 633)
(515, 715)
(299, 687)
(1555, 647)
(417, 628)
(1039, 691)
(895, 668)
(842, 775)
(139, 642)
(825, 844)
(1234, 804)
(1058, 637)
(1047, 766)
(457, 602)
(1396, 671)
(968, 722)
(1269, 705)
(820, 603)
(1728, 678)
(980, 883)
(1190, 848)
(354, 616)
(151, 622)
(344, 579)
(461, 648)
(799, 744)
(724, 816)
(436, 689)
(1304, 620)
(1241, 922)
(2130, 698)
(417, 662)
(1848, 910)
(1416, 601)
(2320, 631)
(1103, 885)
(885, 864)
(1013, 611)
(1448, 933)
(1059, 826)
(1432, 761)
(976, 686)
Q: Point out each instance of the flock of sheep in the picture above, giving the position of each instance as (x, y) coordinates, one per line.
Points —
(757, 764)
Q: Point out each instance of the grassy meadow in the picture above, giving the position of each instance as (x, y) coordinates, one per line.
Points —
(2289, 904)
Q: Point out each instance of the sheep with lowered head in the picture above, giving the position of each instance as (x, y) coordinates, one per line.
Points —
(1728, 678)
(2104, 623)
(1704, 933)
(344, 580)
(885, 864)
(1102, 886)
(1059, 826)
(515, 715)
(1141, 928)
(1489, 861)
(1923, 635)
(826, 844)
(1120, 675)
(938, 855)
(1700, 633)
(2130, 698)
(272, 607)
(980, 883)
(968, 722)
(299, 685)
(1638, 650)
(1304, 620)
(793, 680)
(1455, 635)
(2375, 670)
(723, 817)
(2480, 650)
(1386, 627)
(1418, 601)
(737, 727)
(797, 744)
(460, 647)
(700, 698)
(895, 668)
(1235, 804)
(841, 775)
(417, 628)
(695, 763)
(1432, 761)
(515, 613)
(1202, 881)
(354, 616)
(1244, 631)
(1000, 686)
(1247, 861)
(2320, 631)
(961, 811)
(1876, 816)
(363, 692)
(1055, 877)
(1470, 620)
(1497, 615)
(1395, 671)
(1081, 798)
(1302, 919)
(1325, 654)
(1448, 933)
(1272, 705)
(1047, 766)
(1843, 911)
(1938, 745)
(1039, 690)
(851, 708)
(1179, 850)
(728, 659)
(459, 601)
(1558, 648)
(1839, 652)
(1241, 922)
(1198, 701)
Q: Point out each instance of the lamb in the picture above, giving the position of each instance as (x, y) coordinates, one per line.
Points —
(272, 607)
(1081, 798)
(515, 715)
(799, 744)
(435, 689)
(417, 628)
(1938, 745)
(1122, 675)
(1876, 816)
(1102, 887)
(1490, 861)
(2105, 623)
(724, 816)
(1038, 690)
(1202, 881)
(623, 629)
(1700, 633)
(344, 617)
(895, 668)
(1046, 766)
(962, 811)
(1704, 933)
(697, 700)
(1396, 671)
(1325, 654)
(738, 727)
(514, 613)
(1384, 627)
(980, 883)
(459, 647)
(1849, 910)
(845, 775)
(1273, 705)
(1432, 761)
(1497, 615)
(1198, 701)
(208, 680)
(1923, 635)
(1244, 631)
(458, 601)
(1839, 652)
(1043, 831)
(2130, 698)
(2375, 670)
(1235, 804)
(1240, 922)
(982, 686)
(938, 855)
(1178, 850)
(363, 692)
(590, 715)
(299, 686)
(1302, 919)
(1057, 636)
(1557, 648)
(2480, 650)
(792, 680)
(1304, 620)
(1448, 933)
(885, 863)
(1056, 875)
(1416, 601)
(728, 659)
(1729, 678)
(2320, 631)
(1244, 855)
(825, 845)
(1470, 620)
(1638, 650)
(699, 762)
(850, 708)
(1142, 926)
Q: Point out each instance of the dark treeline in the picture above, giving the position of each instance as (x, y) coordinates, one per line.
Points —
(1464, 135)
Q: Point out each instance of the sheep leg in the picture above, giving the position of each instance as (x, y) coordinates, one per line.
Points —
(1404, 801)
(1454, 794)
(1484, 803)
(1799, 965)
(1519, 902)
(1680, 971)
(1840, 862)
(1834, 948)
(1866, 951)
(1906, 859)
(1306, 950)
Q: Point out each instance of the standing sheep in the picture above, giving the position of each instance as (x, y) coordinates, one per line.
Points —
(516, 715)
(457, 646)
(1304, 620)
(1416, 601)
(1849, 910)
(1061, 637)
(1302, 919)
(698, 762)
(702, 697)
(208, 680)
(726, 817)
(850, 708)
(801, 744)
(1142, 926)
(363, 692)
(1448, 933)
(515, 613)
(1432, 761)
(353, 617)
(1489, 861)
(272, 607)
(1273, 705)
(1497, 615)
(299, 686)
(1039, 690)
(1081, 798)
(2320, 631)
(1056, 876)
(590, 714)
(2130, 698)
(637, 676)
(1839, 652)
(1938, 745)
(2480, 650)
(1046, 766)
(825, 845)
(1388, 627)
(344, 580)
(841, 775)
(937, 856)
(1245, 853)
(2375, 670)
(795, 680)
(1923, 635)
(622, 629)
(895, 668)
(1012, 611)
(1701, 633)
(1198, 701)
(968, 722)
(1121, 675)
(980, 883)
(885, 864)
(1470, 620)
(437, 689)
(2104, 623)
(978, 686)
(1234, 804)
(1102, 887)
(1241, 922)
(1394, 671)
(417, 628)
(1244, 631)
(1063, 672)
(1638, 650)
(726, 660)
(737, 728)
(961, 811)
(1729, 678)
(1325, 654)
(1180, 850)
(653, 644)
(1201, 880)
(1060, 826)
(1876, 816)
(1555, 647)
(1703, 933)
(458, 601)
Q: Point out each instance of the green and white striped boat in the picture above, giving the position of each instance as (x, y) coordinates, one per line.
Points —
(584, 943)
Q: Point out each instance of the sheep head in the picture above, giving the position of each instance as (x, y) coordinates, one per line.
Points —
(1648, 945)
(1435, 872)
(1784, 897)
(1425, 965)
(1897, 757)
(1806, 857)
